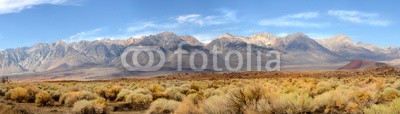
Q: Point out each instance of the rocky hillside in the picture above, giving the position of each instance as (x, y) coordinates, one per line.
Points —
(362, 64)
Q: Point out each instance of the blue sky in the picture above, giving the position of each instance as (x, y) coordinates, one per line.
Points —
(26, 22)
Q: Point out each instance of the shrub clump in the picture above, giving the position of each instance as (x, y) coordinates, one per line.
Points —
(323, 87)
(32, 91)
(17, 94)
(389, 94)
(123, 94)
(70, 98)
(139, 101)
(109, 93)
(163, 106)
(43, 99)
(245, 99)
(97, 106)
(190, 105)
(3, 92)
(215, 105)
(112, 93)
(174, 93)
(392, 108)
(157, 90)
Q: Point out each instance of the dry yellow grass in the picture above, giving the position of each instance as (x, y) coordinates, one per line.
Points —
(372, 93)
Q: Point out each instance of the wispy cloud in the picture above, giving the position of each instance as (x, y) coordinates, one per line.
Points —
(226, 17)
(15, 6)
(186, 24)
(103, 33)
(88, 35)
(149, 25)
(294, 20)
(206, 37)
(282, 34)
(359, 17)
(303, 15)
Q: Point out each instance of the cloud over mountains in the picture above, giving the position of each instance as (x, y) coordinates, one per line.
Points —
(15, 6)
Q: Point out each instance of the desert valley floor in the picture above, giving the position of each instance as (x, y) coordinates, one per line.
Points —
(369, 91)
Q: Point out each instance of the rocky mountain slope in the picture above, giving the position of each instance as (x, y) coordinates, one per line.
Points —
(296, 49)
(346, 48)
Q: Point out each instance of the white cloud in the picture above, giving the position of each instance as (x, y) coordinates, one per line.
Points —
(185, 24)
(15, 6)
(206, 37)
(291, 23)
(141, 26)
(294, 20)
(99, 34)
(303, 15)
(282, 34)
(226, 17)
(88, 35)
(179, 24)
(192, 18)
(359, 17)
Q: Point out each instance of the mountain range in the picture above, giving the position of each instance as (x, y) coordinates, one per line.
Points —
(296, 49)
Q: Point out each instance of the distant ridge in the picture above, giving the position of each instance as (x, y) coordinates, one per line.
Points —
(297, 49)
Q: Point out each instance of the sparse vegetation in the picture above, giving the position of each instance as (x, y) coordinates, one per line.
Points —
(298, 94)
